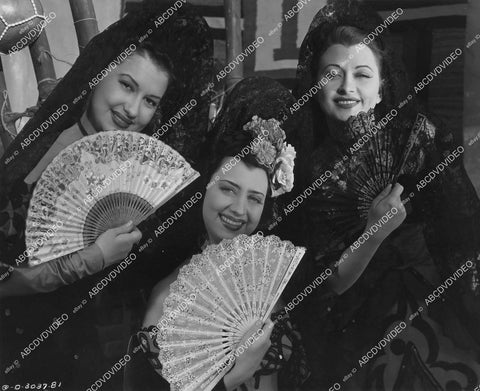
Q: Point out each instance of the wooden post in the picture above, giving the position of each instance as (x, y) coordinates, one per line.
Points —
(471, 114)
(233, 27)
(85, 21)
(5, 137)
(43, 66)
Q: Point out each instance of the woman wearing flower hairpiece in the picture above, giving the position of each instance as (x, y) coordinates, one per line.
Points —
(437, 341)
(238, 200)
(141, 93)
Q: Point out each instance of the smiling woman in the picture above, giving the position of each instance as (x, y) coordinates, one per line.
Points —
(144, 82)
(355, 86)
(388, 277)
(357, 82)
(238, 200)
(234, 205)
(126, 99)
(129, 96)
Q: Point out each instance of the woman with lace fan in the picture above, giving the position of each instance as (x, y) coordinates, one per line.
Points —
(238, 200)
(125, 98)
(132, 77)
(438, 348)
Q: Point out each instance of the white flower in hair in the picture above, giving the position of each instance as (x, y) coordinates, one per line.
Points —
(265, 153)
(282, 178)
(273, 153)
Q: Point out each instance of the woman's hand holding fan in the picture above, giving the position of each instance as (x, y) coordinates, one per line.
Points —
(211, 308)
(249, 361)
(387, 200)
(116, 243)
(98, 183)
(364, 171)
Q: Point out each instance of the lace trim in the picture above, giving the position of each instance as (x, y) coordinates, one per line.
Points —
(286, 354)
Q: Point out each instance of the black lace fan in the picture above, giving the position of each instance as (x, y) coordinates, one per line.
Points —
(376, 158)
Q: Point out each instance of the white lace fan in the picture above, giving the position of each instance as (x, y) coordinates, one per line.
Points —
(216, 298)
(97, 183)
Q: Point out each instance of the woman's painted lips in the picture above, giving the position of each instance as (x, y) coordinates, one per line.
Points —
(231, 223)
(346, 103)
(120, 120)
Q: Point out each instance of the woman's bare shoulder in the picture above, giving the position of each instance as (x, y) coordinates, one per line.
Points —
(155, 303)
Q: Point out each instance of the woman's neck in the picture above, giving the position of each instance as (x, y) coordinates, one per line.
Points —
(86, 124)
(337, 131)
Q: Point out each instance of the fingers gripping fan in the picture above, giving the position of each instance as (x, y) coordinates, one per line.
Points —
(97, 183)
(216, 298)
(356, 181)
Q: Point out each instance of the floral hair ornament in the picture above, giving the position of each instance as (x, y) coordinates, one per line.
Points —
(272, 152)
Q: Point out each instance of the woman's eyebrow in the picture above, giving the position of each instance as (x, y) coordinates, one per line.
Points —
(232, 183)
(135, 82)
(364, 66)
(332, 65)
(154, 96)
(130, 77)
(257, 192)
(238, 187)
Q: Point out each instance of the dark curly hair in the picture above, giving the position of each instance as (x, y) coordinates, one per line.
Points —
(253, 96)
(155, 54)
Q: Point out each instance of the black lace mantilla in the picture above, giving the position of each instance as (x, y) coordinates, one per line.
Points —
(285, 356)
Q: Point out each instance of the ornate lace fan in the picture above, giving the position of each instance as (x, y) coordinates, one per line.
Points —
(216, 298)
(347, 197)
(97, 183)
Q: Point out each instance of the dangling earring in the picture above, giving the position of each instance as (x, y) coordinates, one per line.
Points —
(380, 92)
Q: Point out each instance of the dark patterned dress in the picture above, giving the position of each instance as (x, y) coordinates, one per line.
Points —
(72, 354)
(437, 343)
(72, 349)
(286, 356)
